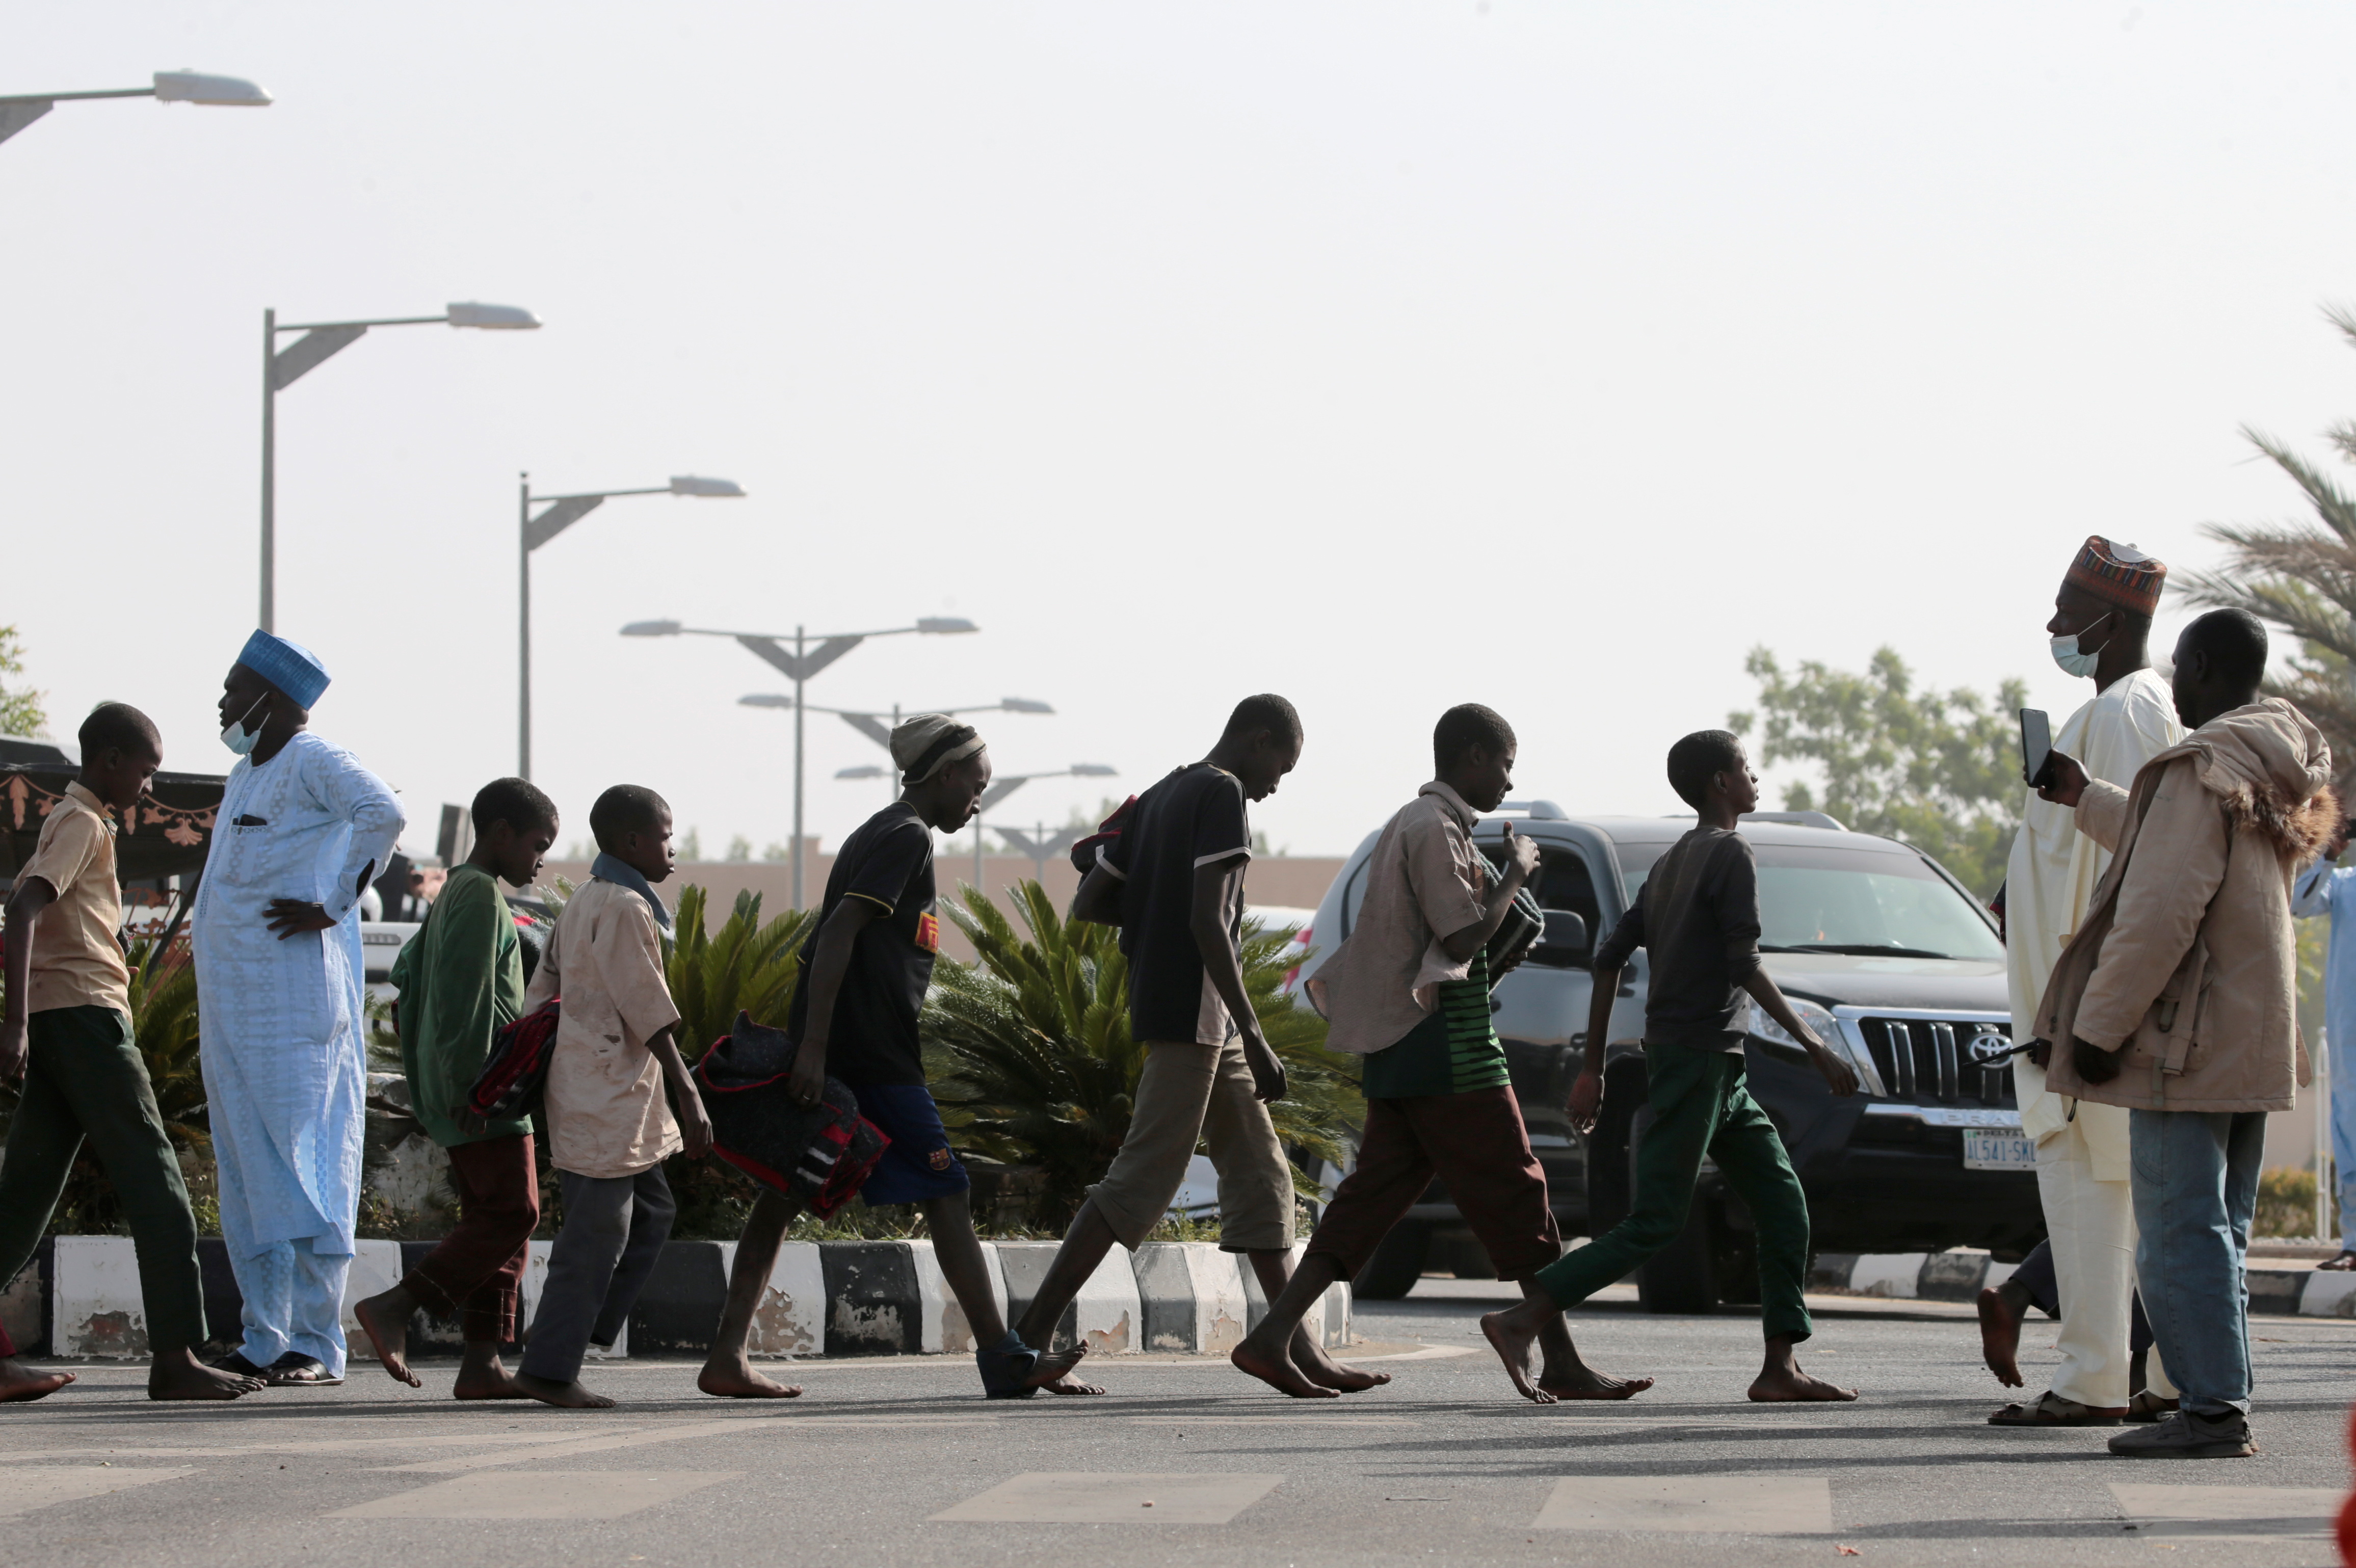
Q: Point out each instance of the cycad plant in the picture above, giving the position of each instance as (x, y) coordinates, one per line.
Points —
(1031, 1057)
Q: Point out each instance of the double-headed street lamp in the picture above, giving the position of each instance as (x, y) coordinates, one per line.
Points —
(281, 369)
(878, 725)
(803, 662)
(20, 110)
(532, 532)
(1007, 784)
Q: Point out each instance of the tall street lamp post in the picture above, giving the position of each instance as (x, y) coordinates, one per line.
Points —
(798, 665)
(281, 369)
(20, 110)
(1007, 784)
(563, 512)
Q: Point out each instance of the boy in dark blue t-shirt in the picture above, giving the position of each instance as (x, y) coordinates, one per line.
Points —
(864, 970)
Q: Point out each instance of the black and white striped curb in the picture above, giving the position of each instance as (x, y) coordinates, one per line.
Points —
(1961, 1276)
(79, 1297)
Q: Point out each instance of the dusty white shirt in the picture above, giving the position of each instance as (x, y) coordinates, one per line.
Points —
(2050, 881)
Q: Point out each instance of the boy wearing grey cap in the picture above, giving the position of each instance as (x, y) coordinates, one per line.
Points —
(864, 971)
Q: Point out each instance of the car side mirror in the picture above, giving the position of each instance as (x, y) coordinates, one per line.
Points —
(1563, 945)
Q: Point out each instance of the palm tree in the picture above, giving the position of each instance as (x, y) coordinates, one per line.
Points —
(2301, 576)
(1031, 1057)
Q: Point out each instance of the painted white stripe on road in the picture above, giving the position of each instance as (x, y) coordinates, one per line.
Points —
(1731, 1505)
(549, 1494)
(31, 1486)
(2230, 1513)
(1080, 1496)
(680, 1432)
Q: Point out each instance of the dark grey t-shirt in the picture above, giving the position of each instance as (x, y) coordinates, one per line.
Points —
(1697, 917)
(1195, 816)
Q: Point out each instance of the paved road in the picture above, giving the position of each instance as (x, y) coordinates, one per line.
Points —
(898, 1462)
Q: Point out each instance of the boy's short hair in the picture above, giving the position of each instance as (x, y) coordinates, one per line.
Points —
(518, 803)
(1694, 760)
(622, 810)
(1267, 711)
(2235, 642)
(120, 725)
(1465, 726)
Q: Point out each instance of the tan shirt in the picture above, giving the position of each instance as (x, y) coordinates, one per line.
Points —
(1424, 882)
(76, 960)
(607, 1115)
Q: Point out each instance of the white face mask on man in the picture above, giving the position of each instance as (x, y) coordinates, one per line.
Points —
(238, 738)
(2072, 662)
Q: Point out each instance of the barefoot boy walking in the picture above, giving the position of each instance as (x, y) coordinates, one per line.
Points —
(865, 968)
(461, 981)
(1410, 991)
(67, 1043)
(1697, 918)
(609, 1127)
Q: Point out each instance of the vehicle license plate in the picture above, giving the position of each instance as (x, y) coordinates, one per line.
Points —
(2002, 1149)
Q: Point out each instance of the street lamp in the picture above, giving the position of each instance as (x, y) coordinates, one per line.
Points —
(281, 369)
(563, 512)
(1007, 784)
(798, 666)
(878, 727)
(21, 110)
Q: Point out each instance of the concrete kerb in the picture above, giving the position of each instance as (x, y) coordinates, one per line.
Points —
(835, 1297)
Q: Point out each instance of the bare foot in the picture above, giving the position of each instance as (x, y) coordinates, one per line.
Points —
(1586, 1383)
(1055, 1374)
(564, 1396)
(22, 1382)
(179, 1375)
(487, 1380)
(1326, 1373)
(1278, 1372)
(1512, 1340)
(1790, 1384)
(737, 1379)
(2000, 1337)
(388, 1332)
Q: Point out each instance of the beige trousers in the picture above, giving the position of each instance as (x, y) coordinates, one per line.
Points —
(2092, 1227)
(1190, 1092)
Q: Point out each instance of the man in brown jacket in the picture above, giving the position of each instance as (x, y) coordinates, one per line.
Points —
(2176, 999)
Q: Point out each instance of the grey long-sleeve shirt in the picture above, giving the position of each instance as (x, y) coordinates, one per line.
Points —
(1697, 917)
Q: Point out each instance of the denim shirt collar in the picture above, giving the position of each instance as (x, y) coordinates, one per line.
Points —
(610, 868)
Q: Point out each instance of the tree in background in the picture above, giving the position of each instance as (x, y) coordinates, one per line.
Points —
(21, 712)
(1935, 769)
(2301, 577)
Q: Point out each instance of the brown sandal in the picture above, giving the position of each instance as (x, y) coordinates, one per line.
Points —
(2149, 1406)
(2051, 1410)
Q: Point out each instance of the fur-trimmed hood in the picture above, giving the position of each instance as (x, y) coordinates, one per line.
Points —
(2272, 768)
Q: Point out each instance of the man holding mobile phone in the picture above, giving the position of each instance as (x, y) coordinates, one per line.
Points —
(2101, 623)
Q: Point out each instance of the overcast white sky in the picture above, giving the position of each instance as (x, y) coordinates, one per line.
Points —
(1385, 356)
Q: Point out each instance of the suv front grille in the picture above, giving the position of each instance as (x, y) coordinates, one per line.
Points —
(1938, 1062)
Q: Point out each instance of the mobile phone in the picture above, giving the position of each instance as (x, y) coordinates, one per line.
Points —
(2036, 747)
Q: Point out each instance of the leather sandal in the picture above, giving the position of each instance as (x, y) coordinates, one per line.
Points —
(2051, 1410)
(295, 1367)
(2149, 1406)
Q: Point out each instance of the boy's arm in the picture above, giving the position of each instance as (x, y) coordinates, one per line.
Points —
(694, 1124)
(1222, 964)
(1587, 1092)
(829, 963)
(1521, 865)
(1738, 921)
(32, 895)
(1837, 1072)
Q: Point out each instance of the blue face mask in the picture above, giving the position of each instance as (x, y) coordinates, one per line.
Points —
(2072, 662)
(238, 738)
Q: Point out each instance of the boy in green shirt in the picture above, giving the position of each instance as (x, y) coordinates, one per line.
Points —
(461, 981)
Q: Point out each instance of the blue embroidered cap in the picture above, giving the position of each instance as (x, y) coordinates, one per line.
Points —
(290, 667)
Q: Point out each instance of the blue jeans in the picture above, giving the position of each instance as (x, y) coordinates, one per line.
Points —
(2195, 1177)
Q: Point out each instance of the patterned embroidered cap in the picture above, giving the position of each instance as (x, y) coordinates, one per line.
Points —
(290, 667)
(2118, 574)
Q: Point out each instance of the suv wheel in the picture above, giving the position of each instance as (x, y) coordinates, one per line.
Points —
(1396, 1264)
(1681, 1277)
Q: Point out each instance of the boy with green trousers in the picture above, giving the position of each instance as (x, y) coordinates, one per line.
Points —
(1697, 917)
(66, 1042)
(461, 982)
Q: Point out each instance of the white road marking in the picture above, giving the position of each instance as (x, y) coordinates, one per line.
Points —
(1732, 1504)
(37, 1485)
(681, 1432)
(541, 1494)
(312, 1445)
(1301, 1420)
(2266, 1513)
(1080, 1496)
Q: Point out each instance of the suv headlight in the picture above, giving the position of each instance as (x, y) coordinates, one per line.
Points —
(1827, 1028)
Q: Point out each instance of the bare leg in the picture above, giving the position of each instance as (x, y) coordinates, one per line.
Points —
(178, 1374)
(728, 1371)
(1267, 1351)
(1085, 1246)
(386, 1320)
(1562, 1371)
(1273, 1268)
(1511, 1333)
(1782, 1380)
(18, 1382)
(958, 1252)
(481, 1374)
(2002, 1309)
